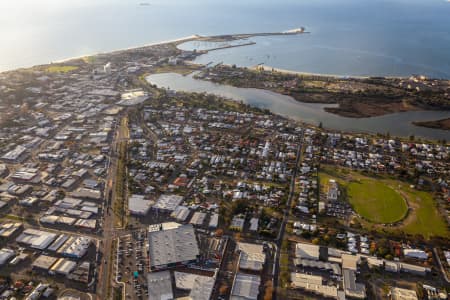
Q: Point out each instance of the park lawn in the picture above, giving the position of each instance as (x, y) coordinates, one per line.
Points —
(425, 218)
(376, 202)
(61, 69)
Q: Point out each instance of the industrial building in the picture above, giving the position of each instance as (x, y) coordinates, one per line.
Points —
(214, 221)
(36, 239)
(171, 247)
(63, 266)
(351, 287)
(167, 203)
(198, 218)
(307, 251)
(200, 286)
(180, 213)
(252, 256)
(245, 287)
(75, 247)
(16, 155)
(137, 205)
(403, 294)
(44, 262)
(159, 286)
(415, 253)
(314, 284)
(6, 255)
(237, 223)
(9, 229)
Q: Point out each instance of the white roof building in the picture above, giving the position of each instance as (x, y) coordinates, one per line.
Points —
(63, 266)
(245, 287)
(254, 223)
(168, 202)
(313, 283)
(214, 221)
(198, 218)
(75, 247)
(137, 205)
(180, 213)
(36, 238)
(159, 286)
(403, 294)
(307, 251)
(5, 255)
(252, 256)
(415, 253)
(200, 286)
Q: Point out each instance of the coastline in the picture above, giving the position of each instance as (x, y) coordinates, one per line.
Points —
(292, 72)
(200, 37)
(178, 40)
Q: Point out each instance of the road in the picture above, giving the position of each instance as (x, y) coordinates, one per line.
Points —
(109, 231)
(285, 219)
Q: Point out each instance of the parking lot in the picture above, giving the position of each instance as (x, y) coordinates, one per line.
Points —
(132, 264)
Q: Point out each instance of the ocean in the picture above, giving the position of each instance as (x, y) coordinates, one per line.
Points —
(347, 37)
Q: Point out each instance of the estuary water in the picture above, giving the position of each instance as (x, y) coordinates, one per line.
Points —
(398, 124)
(348, 37)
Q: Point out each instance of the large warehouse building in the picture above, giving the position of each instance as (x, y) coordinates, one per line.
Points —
(171, 247)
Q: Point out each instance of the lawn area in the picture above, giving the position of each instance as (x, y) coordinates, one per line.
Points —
(424, 218)
(180, 69)
(376, 202)
(61, 69)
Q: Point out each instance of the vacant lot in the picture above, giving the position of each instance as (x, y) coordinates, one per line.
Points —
(376, 202)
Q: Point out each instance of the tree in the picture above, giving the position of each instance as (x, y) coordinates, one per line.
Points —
(223, 289)
(237, 237)
(269, 290)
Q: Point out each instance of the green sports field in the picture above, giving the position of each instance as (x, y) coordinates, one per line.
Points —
(376, 202)
(380, 200)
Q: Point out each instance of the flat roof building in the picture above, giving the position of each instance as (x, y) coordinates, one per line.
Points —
(44, 262)
(168, 202)
(237, 223)
(198, 218)
(351, 287)
(6, 255)
(75, 247)
(313, 283)
(254, 224)
(415, 253)
(245, 287)
(36, 239)
(200, 286)
(214, 221)
(170, 247)
(350, 261)
(252, 256)
(63, 266)
(159, 286)
(307, 251)
(180, 213)
(9, 228)
(403, 294)
(137, 205)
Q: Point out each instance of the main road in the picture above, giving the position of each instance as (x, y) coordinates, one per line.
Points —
(286, 214)
(109, 231)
